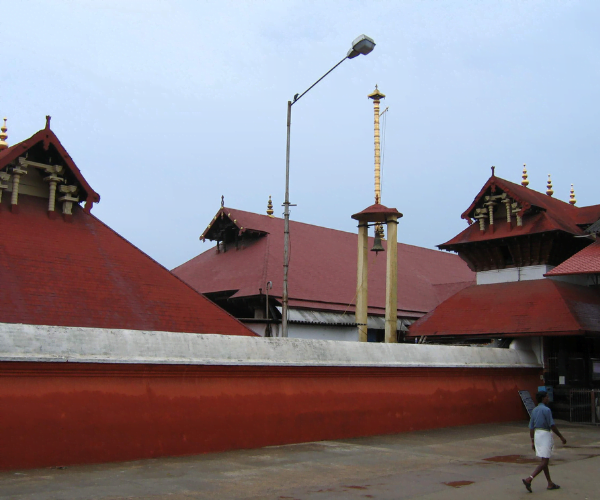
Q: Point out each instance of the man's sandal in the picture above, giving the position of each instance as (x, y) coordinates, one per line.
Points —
(528, 485)
(554, 487)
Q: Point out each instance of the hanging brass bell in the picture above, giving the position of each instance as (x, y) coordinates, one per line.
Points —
(377, 246)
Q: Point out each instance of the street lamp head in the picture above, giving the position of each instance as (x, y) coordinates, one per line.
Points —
(362, 45)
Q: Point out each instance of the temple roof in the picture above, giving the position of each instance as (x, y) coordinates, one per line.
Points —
(44, 147)
(586, 261)
(376, 213)
(82, 273)
(76, 271)
(541, 213)
(522, 308)
(322, 273)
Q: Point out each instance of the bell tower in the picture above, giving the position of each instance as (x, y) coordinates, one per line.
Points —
(377, 215)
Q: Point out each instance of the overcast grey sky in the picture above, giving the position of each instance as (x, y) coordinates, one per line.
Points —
(165, 106)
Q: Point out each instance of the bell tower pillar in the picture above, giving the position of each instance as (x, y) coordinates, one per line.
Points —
(391, 280)
(361, 281)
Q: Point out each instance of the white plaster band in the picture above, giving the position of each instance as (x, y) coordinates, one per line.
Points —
(20, 342)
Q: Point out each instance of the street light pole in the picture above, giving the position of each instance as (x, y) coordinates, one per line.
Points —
(286, 228)
(361, 45)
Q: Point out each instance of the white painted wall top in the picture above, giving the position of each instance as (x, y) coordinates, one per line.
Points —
(511, 274)
(20, 342)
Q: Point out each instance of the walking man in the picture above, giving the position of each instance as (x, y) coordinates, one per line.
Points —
(541, 427)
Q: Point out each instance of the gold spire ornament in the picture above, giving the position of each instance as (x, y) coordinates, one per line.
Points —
(525, 181)
(549, 191)
(376, 96)
(3, 136)
(270, 207)
(572, 199)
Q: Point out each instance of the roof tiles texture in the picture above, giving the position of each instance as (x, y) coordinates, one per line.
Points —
(538, 307)
(586, 261)
(322, 271)
(82, 273)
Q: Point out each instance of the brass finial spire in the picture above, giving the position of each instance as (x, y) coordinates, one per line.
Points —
(524, 182)
(3, 136)
(376, 96)
(222, 200)
(270, 207)
(549, 191)
(572, 199)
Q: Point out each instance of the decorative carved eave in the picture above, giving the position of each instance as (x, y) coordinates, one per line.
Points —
(43, 148)
(226, 228)
(548, 248)
(505, 210)
(495, 187)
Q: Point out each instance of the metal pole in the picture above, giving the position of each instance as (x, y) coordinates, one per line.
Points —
(286, 228)
(286, 211)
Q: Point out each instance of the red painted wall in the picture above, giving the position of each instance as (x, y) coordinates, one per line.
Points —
(65, 413)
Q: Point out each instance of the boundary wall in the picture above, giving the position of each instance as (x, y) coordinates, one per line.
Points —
(85, 395)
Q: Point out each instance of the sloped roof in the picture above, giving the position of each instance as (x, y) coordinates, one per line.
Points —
(552, 214)
(376, 213)
(322, 273)
(82, 273)
(525, 196)
(587, 215)
(586, 261)
(76, 271)
(538, 307)
(45, 143)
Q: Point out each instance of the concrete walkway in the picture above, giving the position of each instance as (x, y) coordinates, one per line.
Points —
(484, 461)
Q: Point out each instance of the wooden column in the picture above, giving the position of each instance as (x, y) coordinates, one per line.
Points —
(361, 281)
(391, 280)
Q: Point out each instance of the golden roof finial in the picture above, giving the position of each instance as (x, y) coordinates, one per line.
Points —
(376, 95)
(549, 191)
(572, 199)
(270, 207)
(524, 182)
(3, 136)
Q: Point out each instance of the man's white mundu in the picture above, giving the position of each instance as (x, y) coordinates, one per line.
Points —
(544, 443)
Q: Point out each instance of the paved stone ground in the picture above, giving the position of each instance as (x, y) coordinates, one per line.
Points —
(483, 461)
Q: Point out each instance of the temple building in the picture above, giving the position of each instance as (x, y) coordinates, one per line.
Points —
(243, 273)
(537, 262)
(61, 266)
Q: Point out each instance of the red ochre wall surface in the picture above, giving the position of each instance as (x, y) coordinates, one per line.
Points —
(55, 414)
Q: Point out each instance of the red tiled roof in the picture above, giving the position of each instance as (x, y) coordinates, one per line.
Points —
(82, 273)
(586, 215)
(525, 196)
(47, 140)
(538, 307)
(555, 215)
(322, 268)
(376, 213)
(586, 261)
